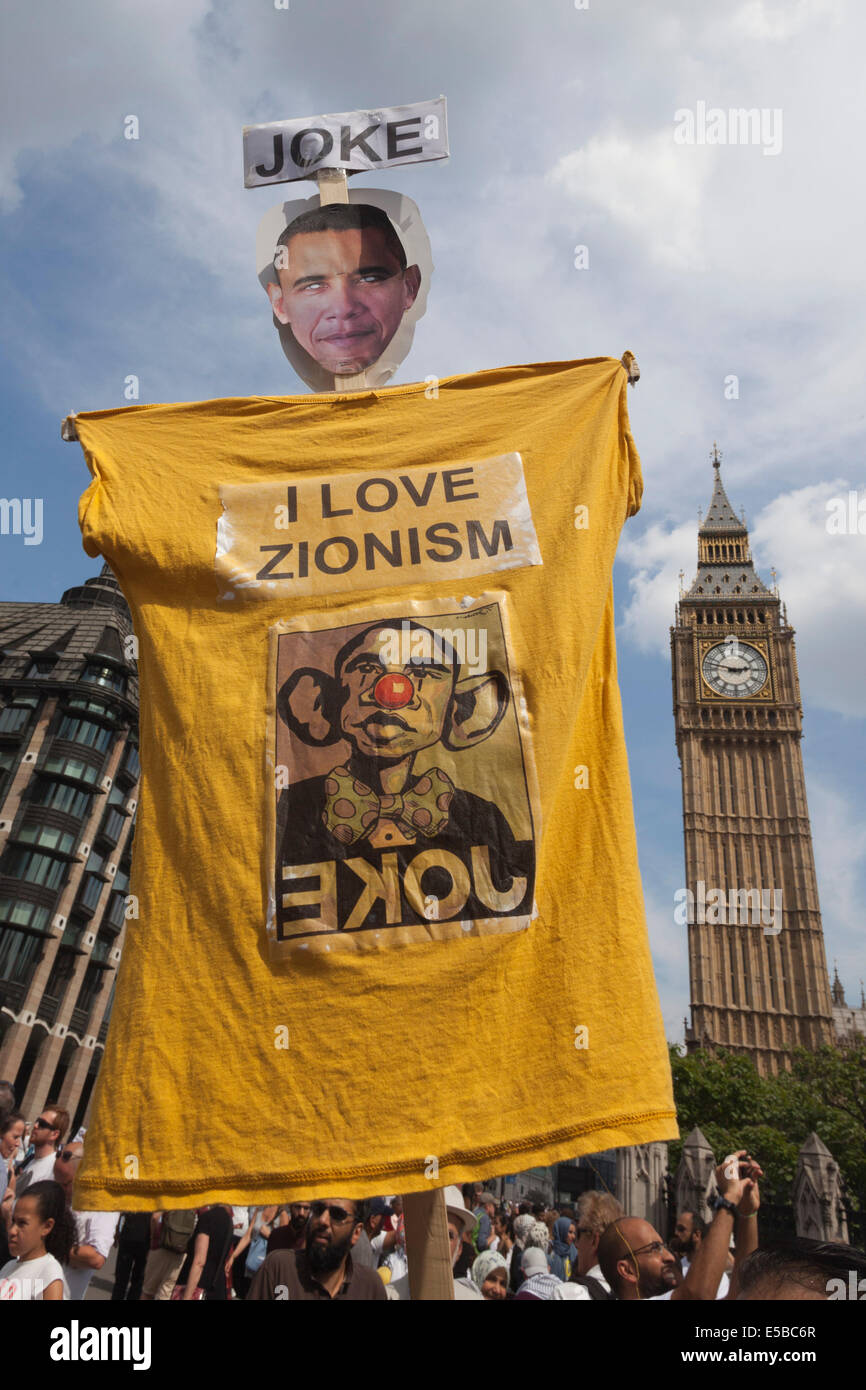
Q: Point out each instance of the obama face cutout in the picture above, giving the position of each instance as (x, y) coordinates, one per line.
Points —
(344, 294)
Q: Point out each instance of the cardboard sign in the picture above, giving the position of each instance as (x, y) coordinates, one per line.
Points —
(329, 532)
(405, 805)
(284, 151)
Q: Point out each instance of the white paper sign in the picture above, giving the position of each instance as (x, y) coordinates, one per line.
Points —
(284, 151)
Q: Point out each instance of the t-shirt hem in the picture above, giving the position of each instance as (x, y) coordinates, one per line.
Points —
(432, 1170)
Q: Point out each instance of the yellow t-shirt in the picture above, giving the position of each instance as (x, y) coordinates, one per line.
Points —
(390, 928)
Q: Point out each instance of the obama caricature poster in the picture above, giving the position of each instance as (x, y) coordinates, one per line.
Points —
(405, 806)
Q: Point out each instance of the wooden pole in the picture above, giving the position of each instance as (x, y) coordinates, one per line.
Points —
(428, 1250)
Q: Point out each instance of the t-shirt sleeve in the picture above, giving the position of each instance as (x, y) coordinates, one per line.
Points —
(99, 1231)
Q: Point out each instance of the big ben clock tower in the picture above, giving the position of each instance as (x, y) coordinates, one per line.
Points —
(757, 968)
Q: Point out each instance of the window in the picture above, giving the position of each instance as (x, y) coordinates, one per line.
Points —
(116, 914)
(90, 706)
(95, 863)
(90, 988)
(106, 676)
(17, 912)
(8, 759)
(13, 720)
(58, 980)
(112, 826)
(107, 1015)
(41, 667)
(36, 868)
(47, 837)
(70, 767)
(90, 892)
(83, 731)
(18, 954)
(61, 797)
(131, 763)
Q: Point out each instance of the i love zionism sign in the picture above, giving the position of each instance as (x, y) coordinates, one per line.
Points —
(284, 151)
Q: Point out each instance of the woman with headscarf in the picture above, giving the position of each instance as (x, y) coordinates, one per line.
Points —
(561, 1252)
(523, 1224)
(490, 1274)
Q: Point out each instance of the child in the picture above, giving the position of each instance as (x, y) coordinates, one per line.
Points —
(41, 1234)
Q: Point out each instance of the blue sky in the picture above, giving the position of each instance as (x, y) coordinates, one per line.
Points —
(137, 257)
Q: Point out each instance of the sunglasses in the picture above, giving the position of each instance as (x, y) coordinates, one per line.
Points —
(42, 1124)
(339, 1216)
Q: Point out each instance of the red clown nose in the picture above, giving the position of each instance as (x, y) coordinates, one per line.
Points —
(393, 691)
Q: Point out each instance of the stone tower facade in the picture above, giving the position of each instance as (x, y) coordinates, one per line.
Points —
(757, 967)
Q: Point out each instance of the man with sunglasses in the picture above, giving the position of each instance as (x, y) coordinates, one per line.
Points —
(324, 1268)
(49, 1129)
(638, 1264)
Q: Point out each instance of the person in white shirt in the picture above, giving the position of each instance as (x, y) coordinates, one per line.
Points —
(595, 1210)
(94, 1230)
(40, 1236)
(48, 1131)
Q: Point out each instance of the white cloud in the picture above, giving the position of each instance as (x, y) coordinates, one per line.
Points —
(651, 187)
(758, 20)
(839, 836)
(821, 580)
(655, 558)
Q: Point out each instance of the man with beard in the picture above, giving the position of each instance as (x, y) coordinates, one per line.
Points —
(638, 1265)
(293, 1233)
(686, 1242)
(324, 1268)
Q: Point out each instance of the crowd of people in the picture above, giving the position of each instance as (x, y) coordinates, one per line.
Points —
(344, 1247)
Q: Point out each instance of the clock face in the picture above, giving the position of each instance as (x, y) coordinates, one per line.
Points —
(734, 669)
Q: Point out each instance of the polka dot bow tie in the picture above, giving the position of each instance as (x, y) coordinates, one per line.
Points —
(353, 809)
